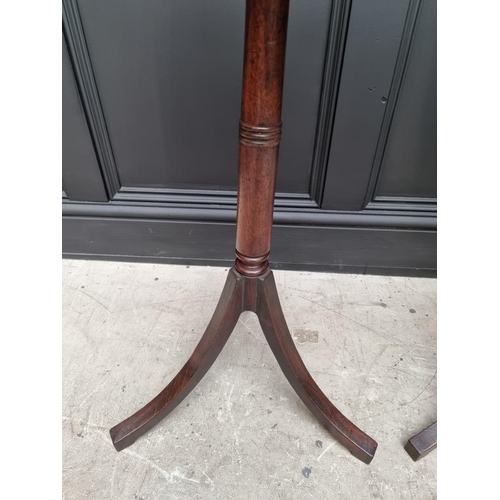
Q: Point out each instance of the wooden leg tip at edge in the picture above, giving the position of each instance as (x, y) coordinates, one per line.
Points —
(121, 444)
(422, 443)
(367, 454)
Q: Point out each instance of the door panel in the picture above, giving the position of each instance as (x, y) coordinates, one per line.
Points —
(383, 150)
(409, 161)
(372, 46)
(169, 79)
(81, 175)
(154, 94)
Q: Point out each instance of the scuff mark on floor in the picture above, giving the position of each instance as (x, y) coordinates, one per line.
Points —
(301, 335)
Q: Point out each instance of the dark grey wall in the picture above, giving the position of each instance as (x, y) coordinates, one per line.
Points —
(151, 107)
(81, 176)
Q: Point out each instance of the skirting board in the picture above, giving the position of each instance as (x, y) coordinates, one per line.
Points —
(352, 249)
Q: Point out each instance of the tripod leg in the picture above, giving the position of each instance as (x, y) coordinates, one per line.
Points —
(275, 329)
(422, 443)
(206, 352)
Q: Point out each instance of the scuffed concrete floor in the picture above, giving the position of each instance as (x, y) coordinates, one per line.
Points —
(369, 341)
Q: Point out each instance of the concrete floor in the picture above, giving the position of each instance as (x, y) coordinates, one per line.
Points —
(369, 341)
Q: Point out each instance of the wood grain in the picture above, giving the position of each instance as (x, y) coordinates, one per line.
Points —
(259, 295)
(260, 131)
(422, 443)
(250, 285)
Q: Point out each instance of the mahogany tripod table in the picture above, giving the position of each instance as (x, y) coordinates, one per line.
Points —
(250, 284)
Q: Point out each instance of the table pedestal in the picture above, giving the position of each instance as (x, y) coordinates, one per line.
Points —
(250, 285)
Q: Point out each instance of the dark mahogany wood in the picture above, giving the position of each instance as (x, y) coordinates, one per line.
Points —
(250, 284)
(275, 329)
(260, 131)
(257, 294)
(422, 443)
(214, 339)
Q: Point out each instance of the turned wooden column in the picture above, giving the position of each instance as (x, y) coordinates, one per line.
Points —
(250, 285)
(260, 131)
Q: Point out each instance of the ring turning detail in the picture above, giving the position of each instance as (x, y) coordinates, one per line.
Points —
(250, 284)
(251, 266)
(263, 137)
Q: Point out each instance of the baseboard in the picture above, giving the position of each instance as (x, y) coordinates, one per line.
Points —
(345, 248)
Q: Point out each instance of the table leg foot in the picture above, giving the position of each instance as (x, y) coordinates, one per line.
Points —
(206, 352)
(422, 443)
(279, 339)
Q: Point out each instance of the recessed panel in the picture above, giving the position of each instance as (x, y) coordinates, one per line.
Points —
(169, 79)
(81, 175)
(409, 164)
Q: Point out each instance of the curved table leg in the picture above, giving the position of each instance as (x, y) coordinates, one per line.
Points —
(211, 344)
(274, 325)
(422, 443)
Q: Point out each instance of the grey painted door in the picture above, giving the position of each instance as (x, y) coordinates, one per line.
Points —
(150, 140)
